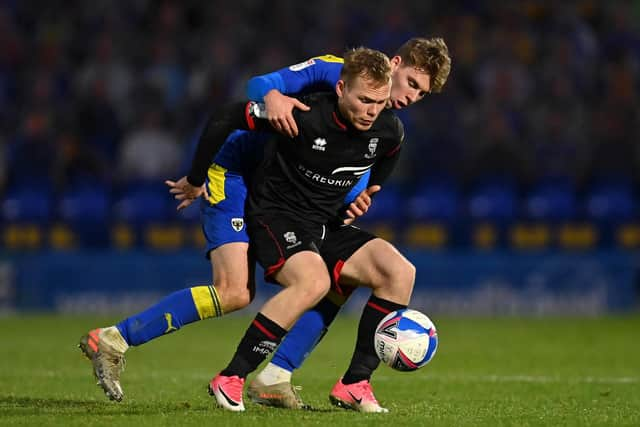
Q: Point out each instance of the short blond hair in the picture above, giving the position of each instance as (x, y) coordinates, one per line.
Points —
(371, 64)
(429, 55)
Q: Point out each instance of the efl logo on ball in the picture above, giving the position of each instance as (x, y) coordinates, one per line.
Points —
(406, 340)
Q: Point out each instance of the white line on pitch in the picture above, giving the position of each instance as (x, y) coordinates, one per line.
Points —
(522, 378)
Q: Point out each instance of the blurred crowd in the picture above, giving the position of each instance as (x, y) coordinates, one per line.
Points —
(112, 91)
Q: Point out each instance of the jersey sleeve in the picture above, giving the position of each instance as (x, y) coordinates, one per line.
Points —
(321, 72)
(238, 115)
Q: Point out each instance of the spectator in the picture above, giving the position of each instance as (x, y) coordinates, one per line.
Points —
(149, 151)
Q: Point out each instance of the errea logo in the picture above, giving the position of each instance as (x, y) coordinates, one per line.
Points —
(319, 144)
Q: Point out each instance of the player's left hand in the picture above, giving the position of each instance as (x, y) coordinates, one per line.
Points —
(185, 192)
(280, 112)
(361, 204)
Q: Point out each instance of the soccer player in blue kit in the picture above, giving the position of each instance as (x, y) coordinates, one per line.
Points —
(420, 66)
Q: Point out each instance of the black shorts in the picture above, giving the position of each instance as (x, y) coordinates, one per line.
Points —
(273, 240)
(342, 241)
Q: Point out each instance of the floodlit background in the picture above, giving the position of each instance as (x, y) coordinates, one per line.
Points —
(517, 192)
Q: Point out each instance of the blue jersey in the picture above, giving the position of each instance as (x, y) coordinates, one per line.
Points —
(242, 151)
(314, 75)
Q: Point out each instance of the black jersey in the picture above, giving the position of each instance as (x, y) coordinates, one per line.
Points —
(308, 177)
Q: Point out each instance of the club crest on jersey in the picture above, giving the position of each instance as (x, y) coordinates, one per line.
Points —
(237, 223)
(319, 144)
(373, 144)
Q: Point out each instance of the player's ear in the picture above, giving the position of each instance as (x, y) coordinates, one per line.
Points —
(396, 61)
(340, 87)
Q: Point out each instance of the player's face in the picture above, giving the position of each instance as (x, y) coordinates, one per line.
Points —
(360, 101)
(410, 84)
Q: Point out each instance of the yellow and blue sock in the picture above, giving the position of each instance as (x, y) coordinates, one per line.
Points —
(171, 313)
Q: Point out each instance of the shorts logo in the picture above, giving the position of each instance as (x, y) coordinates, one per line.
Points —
(290, 237)
(319, 144)
(373, 144)
(237, 223)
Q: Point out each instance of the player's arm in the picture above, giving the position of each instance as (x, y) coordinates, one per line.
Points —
(246, 116)
(318, 73)
(243, 115)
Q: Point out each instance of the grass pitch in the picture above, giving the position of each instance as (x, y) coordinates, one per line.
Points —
(492, 372)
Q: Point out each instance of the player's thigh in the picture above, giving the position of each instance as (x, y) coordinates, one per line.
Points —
(231, 263)
(223, 225)
(377, 264)
(304, 268)
(340, 244)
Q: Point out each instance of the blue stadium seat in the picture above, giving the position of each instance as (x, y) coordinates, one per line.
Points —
(551, 200)
(191, 214)
(611, 201)
(30, 203)
(438, 200)
(142, 203)
(85, 204)
(494, 200)
(86, 212)
(386, 206)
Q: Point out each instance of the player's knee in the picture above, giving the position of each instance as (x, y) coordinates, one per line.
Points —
(312, 291)
(234, 294)
(402, 274)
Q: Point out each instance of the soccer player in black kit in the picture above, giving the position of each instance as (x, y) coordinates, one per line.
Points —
(294, 198)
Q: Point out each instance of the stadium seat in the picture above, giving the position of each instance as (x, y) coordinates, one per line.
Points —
(31, 203)
(552, 200)
(86, 210)
(191, 214)
(611, 201)
(435, 201)
(493, 200)
(85, 204)
(386, 206)
(143, 203)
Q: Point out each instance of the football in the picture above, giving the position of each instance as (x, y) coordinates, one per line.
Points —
(406, 340)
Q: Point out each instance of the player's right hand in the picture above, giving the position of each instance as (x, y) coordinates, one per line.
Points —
(280, 112)
(185, 192)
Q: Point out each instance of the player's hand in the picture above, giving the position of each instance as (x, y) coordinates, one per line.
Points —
(361, 204)
(280, 112)
(185, 192)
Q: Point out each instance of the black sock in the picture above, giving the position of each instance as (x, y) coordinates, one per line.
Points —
(261, 338)
(365, 360)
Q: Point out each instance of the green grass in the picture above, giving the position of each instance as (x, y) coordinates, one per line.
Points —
(489, 372)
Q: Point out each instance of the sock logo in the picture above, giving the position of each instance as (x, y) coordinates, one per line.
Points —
(170, 327)
(265, 347)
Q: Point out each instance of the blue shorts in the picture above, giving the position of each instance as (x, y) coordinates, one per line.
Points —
(223, 211)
